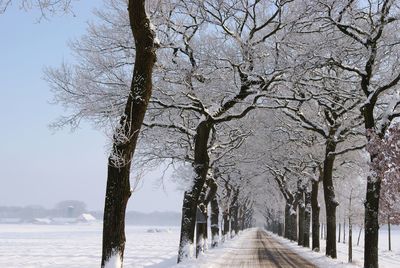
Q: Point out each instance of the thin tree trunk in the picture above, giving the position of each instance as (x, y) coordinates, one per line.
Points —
(339, 232)
(118, 188)
(300, 240)
(389, 234)
(350, 240)
(190, 200)
(315, 216)
(359, 235)
(307, 219)
(344, 231)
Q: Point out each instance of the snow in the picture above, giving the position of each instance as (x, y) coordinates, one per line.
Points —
(114, 261)
(79, 246)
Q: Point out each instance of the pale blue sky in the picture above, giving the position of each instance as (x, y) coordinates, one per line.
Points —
(37, 166)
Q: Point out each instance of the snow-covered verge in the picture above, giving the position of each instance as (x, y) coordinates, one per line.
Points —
(79, 246)
(387, 259)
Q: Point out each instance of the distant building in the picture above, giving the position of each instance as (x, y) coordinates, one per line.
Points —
(86, 217)
(41, 221)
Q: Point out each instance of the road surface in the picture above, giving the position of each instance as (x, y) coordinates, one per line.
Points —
(256, 248)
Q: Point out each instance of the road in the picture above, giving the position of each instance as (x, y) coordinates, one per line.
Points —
(256, 248)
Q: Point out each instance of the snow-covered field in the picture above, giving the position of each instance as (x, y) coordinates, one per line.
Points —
(79, 246)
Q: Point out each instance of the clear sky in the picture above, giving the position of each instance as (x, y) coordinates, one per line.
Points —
(38, 166)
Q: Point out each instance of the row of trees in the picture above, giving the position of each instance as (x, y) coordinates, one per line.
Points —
(264, 100)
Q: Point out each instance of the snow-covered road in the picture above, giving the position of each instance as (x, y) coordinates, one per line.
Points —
(258, 249)
(253, 249)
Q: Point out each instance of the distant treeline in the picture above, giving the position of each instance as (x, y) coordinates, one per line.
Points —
(153, 218)
(73, 208)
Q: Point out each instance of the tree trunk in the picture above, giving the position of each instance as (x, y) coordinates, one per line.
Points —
(350, 241)
(287, 233)
(315, 216)
(293, 224)
(359, 236)
(330, 201)
(344, 231)
(214, 222)
(307, 219)
(389, 234)
(201, 229)
(300, 240)
(190, 200)
(339, 232)
(225, 216)
(125, 138)
(371, 223)
(201, 233)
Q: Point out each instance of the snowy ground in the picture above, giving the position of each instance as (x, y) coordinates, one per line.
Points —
(79, 246)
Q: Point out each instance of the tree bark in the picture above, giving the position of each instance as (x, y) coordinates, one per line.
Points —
(300, 240)
(201, 227)
(329, 195)
(307, 220)
(350, 240)
(190, 200)
(315, 216)
(214, 222)
(118, 188)
(389, 234)
(371, 223)
(225, 216)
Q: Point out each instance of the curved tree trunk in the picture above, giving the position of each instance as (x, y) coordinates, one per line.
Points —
(330, 200)
(190, 200)
(118, 188)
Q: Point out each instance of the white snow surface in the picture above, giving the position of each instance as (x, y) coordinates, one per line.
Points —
(114, 261)
(79, 246)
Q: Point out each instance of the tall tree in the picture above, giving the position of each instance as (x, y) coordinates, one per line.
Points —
(126, 135)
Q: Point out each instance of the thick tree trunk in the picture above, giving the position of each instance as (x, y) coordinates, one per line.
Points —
(201, 227)
(330, 200)
(293, 224)
(190, 200)
(371, 223)
(214, 222)
(315, 216)
(307, 220)
(225, 217)
(118, 188)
